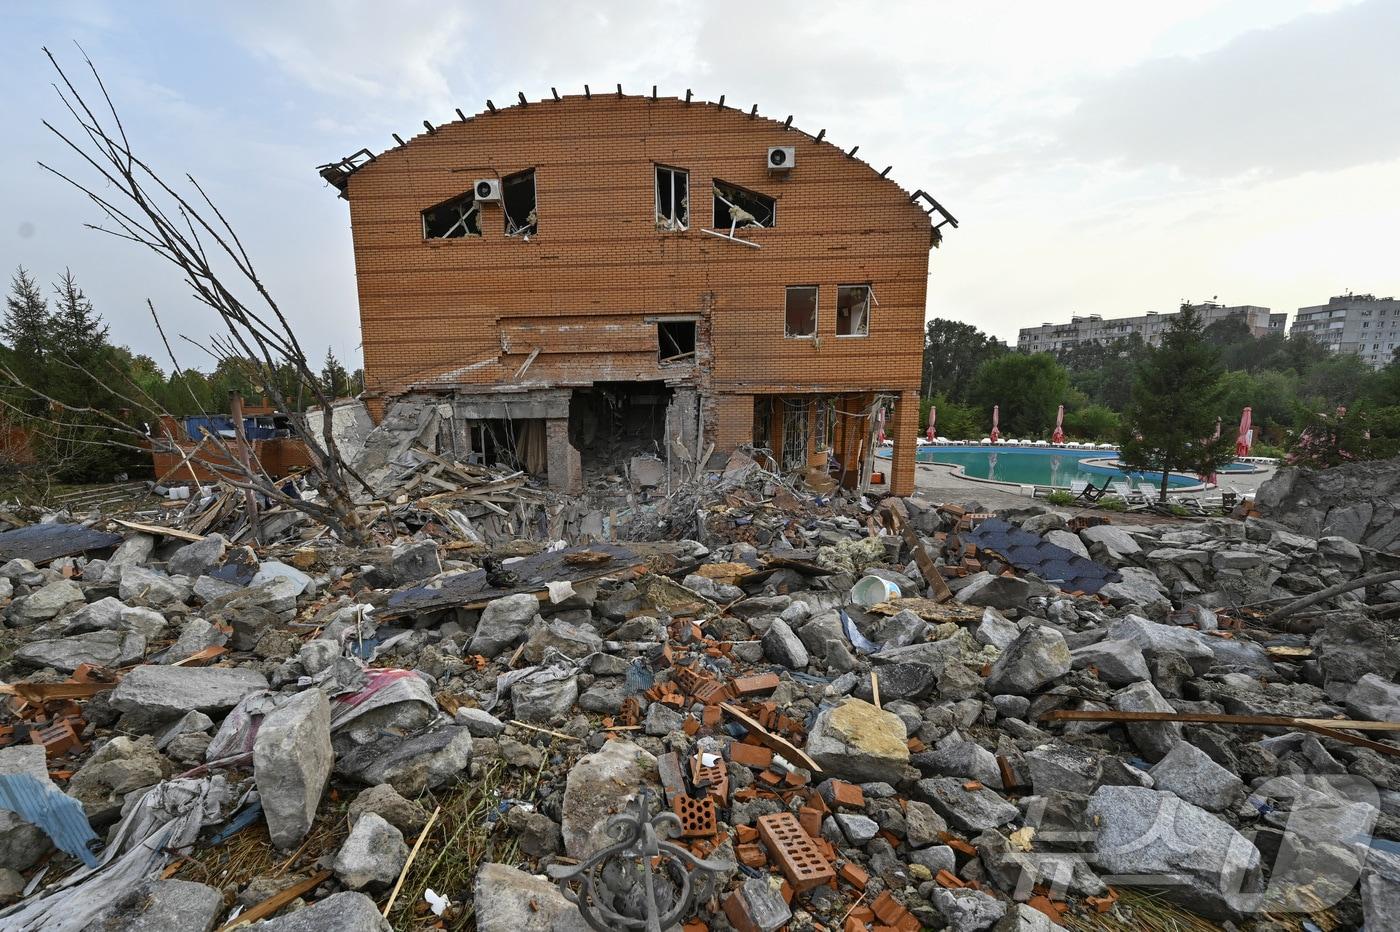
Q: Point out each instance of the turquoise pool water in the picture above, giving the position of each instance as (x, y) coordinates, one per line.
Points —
(1042, 465)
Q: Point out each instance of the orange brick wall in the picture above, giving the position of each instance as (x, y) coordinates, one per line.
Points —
(470, 311)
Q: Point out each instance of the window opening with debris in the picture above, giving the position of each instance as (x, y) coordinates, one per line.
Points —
(853, 310)
(801, 312)
(500, 442)
(675, 340)
(796, 423)
(518, 198)
(762, 422)
(736, 207)
(672, 198)
(453, 219)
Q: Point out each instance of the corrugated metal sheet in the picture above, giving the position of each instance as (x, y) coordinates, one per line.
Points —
(1032, 553)
(61, 816)
(42, 543)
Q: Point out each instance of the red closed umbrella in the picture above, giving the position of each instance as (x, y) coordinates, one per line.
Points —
(1059, 435)
(1245, 440)
(996, 417)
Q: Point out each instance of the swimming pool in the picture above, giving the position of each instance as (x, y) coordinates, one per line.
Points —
(1049, 466)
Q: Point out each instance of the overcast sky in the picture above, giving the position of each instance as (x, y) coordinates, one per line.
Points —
(1102, 157)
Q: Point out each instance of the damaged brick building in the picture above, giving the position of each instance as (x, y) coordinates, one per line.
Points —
(588, 277)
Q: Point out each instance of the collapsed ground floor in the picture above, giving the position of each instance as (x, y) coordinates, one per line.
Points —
(658, 433)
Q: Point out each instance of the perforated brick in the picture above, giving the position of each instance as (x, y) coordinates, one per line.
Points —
(714, 778)
(698, 817)
(57, 739)
(793, 851)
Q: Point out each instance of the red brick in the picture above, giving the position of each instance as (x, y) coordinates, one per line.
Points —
(759, 685)
(797, 857)
(698, 816)
(854, 875)
(750, 755)
(847, 794)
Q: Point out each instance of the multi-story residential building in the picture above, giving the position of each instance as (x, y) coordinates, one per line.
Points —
(1048, 338)
(1353, 323)
(555, 277)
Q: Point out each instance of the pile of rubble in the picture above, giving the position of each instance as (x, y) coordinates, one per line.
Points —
(861, 715)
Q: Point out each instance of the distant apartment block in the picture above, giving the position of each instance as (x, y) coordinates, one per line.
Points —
(1047, 338)
(1354, 323)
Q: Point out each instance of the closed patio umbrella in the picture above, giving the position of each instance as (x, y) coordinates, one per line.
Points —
(1245, 440)
(932, 418)
(996, 417)
(1059, 435)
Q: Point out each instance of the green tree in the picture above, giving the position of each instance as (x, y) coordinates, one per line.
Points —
(1103, 372)
(80, 358)
(1171, 416)
(953, 420)
(25, 331)
(1235, 341)
(334, 378)
(1028, 387)
(1093, 422)
(1336, 380)
(953, 351)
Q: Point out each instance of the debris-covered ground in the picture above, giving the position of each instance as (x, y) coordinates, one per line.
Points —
(864, 714)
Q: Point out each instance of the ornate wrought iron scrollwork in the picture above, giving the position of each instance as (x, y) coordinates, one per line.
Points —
(626, 874)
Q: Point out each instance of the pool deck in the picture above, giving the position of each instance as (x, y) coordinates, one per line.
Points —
(938, 482)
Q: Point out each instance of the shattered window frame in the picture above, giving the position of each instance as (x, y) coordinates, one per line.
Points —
(668, 221)
(665, 334)
(788, 312)
(467, 220)
(846, 307)
(529, 224)
(755, 203)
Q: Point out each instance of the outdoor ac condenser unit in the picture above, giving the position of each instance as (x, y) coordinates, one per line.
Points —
(781, 158)
(488, 191)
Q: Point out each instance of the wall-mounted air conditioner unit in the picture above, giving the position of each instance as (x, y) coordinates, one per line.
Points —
(781, 158)
(488, 191)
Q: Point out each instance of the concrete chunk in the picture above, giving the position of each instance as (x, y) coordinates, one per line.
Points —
(292, 761)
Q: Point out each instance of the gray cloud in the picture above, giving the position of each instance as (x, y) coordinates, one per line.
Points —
(1318, 93)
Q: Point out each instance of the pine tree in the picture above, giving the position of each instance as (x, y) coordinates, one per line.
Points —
(76, 327)
(335, 381)
(78, 350)
(26, 324)
(1170, 419)
(25, 330)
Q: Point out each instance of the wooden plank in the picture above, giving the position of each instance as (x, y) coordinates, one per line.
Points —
(1327, 727)
(775, 742)
(158, 530)
(927, 568)
(275, 902)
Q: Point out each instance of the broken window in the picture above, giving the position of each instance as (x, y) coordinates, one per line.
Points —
(762, 422)
(458, 217)
(801, 318)
(853, 310)
(672, 199)
(737, 207)
(518, 198)
(675, 340)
